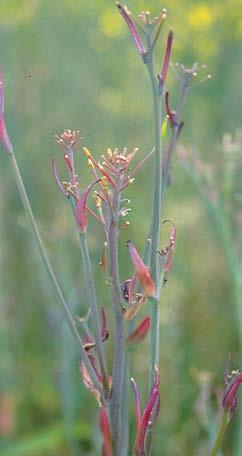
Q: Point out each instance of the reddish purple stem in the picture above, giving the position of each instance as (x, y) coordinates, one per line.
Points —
(133, 30)
(137, 403)
(163, 74)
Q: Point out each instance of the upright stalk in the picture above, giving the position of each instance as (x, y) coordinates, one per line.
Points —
(119, 349)
(235, 274)
(58, 293)
(125, 407)
(155, 229)
(220, 434)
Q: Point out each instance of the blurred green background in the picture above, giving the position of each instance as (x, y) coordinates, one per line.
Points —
(72, 64)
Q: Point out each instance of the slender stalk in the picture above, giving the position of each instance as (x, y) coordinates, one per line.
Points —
(155, 229)
(119, 349)
(56, 288)
(125, 408)
(238, 303)
(224, 230)
(90, 288)
(220, 434)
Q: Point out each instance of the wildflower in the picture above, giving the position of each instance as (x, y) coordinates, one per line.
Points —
(125, 13)
(150, 24)
(233, 380)
(150, 415)
(114, 168)
(141, 331)
(68, 141)
(163, 74)
(142, 272)
(4, 138)
(106, 432)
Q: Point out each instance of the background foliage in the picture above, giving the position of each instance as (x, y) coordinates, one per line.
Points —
(71, 64)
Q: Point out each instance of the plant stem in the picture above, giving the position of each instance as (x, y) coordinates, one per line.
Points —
(155, 229)
(90, 288)
(119, 349)
(125, 408)
(226, 235)
(58, 293)
(220, 434)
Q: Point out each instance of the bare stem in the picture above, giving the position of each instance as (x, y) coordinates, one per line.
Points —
(119, 349)
(125, 408)
(155, 229)
(58, 293)
(220, 434)
(90, 288)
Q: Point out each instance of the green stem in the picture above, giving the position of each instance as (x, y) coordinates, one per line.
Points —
(125, 408)
(90, 288)
(224, 229)
(58, 293)
(220, 434)
(119, 348)
(155, 229)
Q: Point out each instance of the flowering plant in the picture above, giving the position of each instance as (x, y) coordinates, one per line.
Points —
(112, 174)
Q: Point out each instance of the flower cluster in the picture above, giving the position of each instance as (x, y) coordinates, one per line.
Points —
(68, 141)
(155, 25)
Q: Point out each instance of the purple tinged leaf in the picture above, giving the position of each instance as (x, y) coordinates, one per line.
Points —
(149, 416)
(141, 331)
(106, 432)
(137, 402)
(141, 434)
(133, 30)
(163, 74)
(230, 400)
(104, 331)
(170, 114)
(81, 208)
(142, 271)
